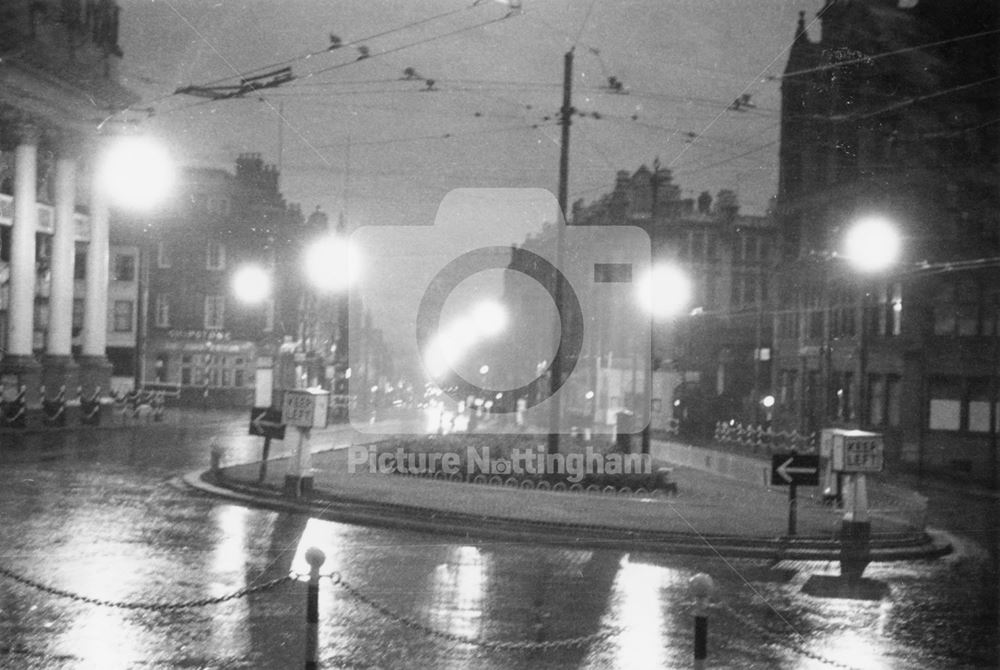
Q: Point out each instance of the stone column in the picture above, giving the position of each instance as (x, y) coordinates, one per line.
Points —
(18, 366)
(59, 368)
(95, 370)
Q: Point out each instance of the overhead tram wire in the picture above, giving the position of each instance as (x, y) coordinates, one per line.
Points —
(895, 52)
(352, 43)
(278, 64)
(384, 52)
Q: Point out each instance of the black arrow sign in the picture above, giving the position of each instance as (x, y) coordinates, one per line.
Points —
(794, 469)
(266, 422)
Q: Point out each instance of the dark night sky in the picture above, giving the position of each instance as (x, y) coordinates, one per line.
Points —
(358, 139)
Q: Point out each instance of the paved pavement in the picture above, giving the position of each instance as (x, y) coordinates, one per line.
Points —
(710, 515)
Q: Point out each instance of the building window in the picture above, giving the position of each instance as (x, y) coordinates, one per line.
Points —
(163, 259)
(215, 307)
(80, 265)
(966, 309)
(215, 258)
(883, 400)
(186, 370)
(977, 395)
(77, 316)
(123, 316)
(124, 267)
(841, 403)
(162, 310)
(959, 404)
(788, 381)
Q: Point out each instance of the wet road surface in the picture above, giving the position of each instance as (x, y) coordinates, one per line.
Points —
(103, 514)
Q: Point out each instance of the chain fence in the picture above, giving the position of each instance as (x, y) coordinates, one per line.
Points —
(783, 639)
(410, 622)
(336, 580)
(493, 645)
(155, 606)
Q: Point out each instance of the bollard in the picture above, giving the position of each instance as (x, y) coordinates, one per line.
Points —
(216, 458)
(701, 588)
(315, 558)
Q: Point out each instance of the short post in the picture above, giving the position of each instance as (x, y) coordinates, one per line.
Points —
(701, 588)
(216, 458)
(262, 474)
(315, 558)
(299, 480)
(793, 507)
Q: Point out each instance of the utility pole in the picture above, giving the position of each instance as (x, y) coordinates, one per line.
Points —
(565, 119)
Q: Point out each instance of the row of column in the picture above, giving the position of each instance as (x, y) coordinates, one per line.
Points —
(59, 367)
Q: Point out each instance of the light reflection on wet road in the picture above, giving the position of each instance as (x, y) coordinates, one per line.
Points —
(102, 514)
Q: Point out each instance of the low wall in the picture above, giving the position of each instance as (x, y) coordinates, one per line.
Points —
(742, 468)
(892, 508)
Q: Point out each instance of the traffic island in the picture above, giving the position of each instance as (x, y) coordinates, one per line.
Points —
(710, 518)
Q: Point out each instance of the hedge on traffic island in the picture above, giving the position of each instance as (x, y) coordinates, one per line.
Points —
(501, 447)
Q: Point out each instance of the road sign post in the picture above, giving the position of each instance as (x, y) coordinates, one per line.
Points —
(794, 470)
(266, 422)
(305, 409)
(853, 453)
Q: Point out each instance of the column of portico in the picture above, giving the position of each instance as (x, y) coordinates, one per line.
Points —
(18, 366)
(95, 369)
(59, 368)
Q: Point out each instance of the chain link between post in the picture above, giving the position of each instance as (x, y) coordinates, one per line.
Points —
(158, 606)
(497, 645)
(783, 640)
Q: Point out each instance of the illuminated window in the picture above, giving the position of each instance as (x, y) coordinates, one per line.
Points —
(215, 256)
(124, 267)
(215, 308)
(162, 310)
(123, 316)
(163, 259)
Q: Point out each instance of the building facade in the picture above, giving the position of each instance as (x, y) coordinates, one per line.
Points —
(196, 334)
(58, 80)
(709, 362)
(892, 113)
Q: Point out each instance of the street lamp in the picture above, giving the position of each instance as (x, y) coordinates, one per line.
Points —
(331, 264)
(137, 173)
(663, 292)
(251, 284)
(871, 245)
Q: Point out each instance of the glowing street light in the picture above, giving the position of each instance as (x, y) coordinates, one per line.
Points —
(664, 291)
(252, 284)
(332, 263)
(872, 244)
(136, 172)
(490, 318)
(485, 320)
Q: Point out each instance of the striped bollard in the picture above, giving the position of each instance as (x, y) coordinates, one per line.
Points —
(315, 558)
(701, 588)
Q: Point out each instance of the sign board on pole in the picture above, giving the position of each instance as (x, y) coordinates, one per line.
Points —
(794, 469)
(264, 386)
(266, 422)
(305, 408)
(858, 451)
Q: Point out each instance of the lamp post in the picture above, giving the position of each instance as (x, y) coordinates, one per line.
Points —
(136, 173)
(871, 246)
(663, 292)
(331, 265)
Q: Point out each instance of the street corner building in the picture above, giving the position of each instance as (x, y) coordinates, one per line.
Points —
(891, 113)
(58, 80)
